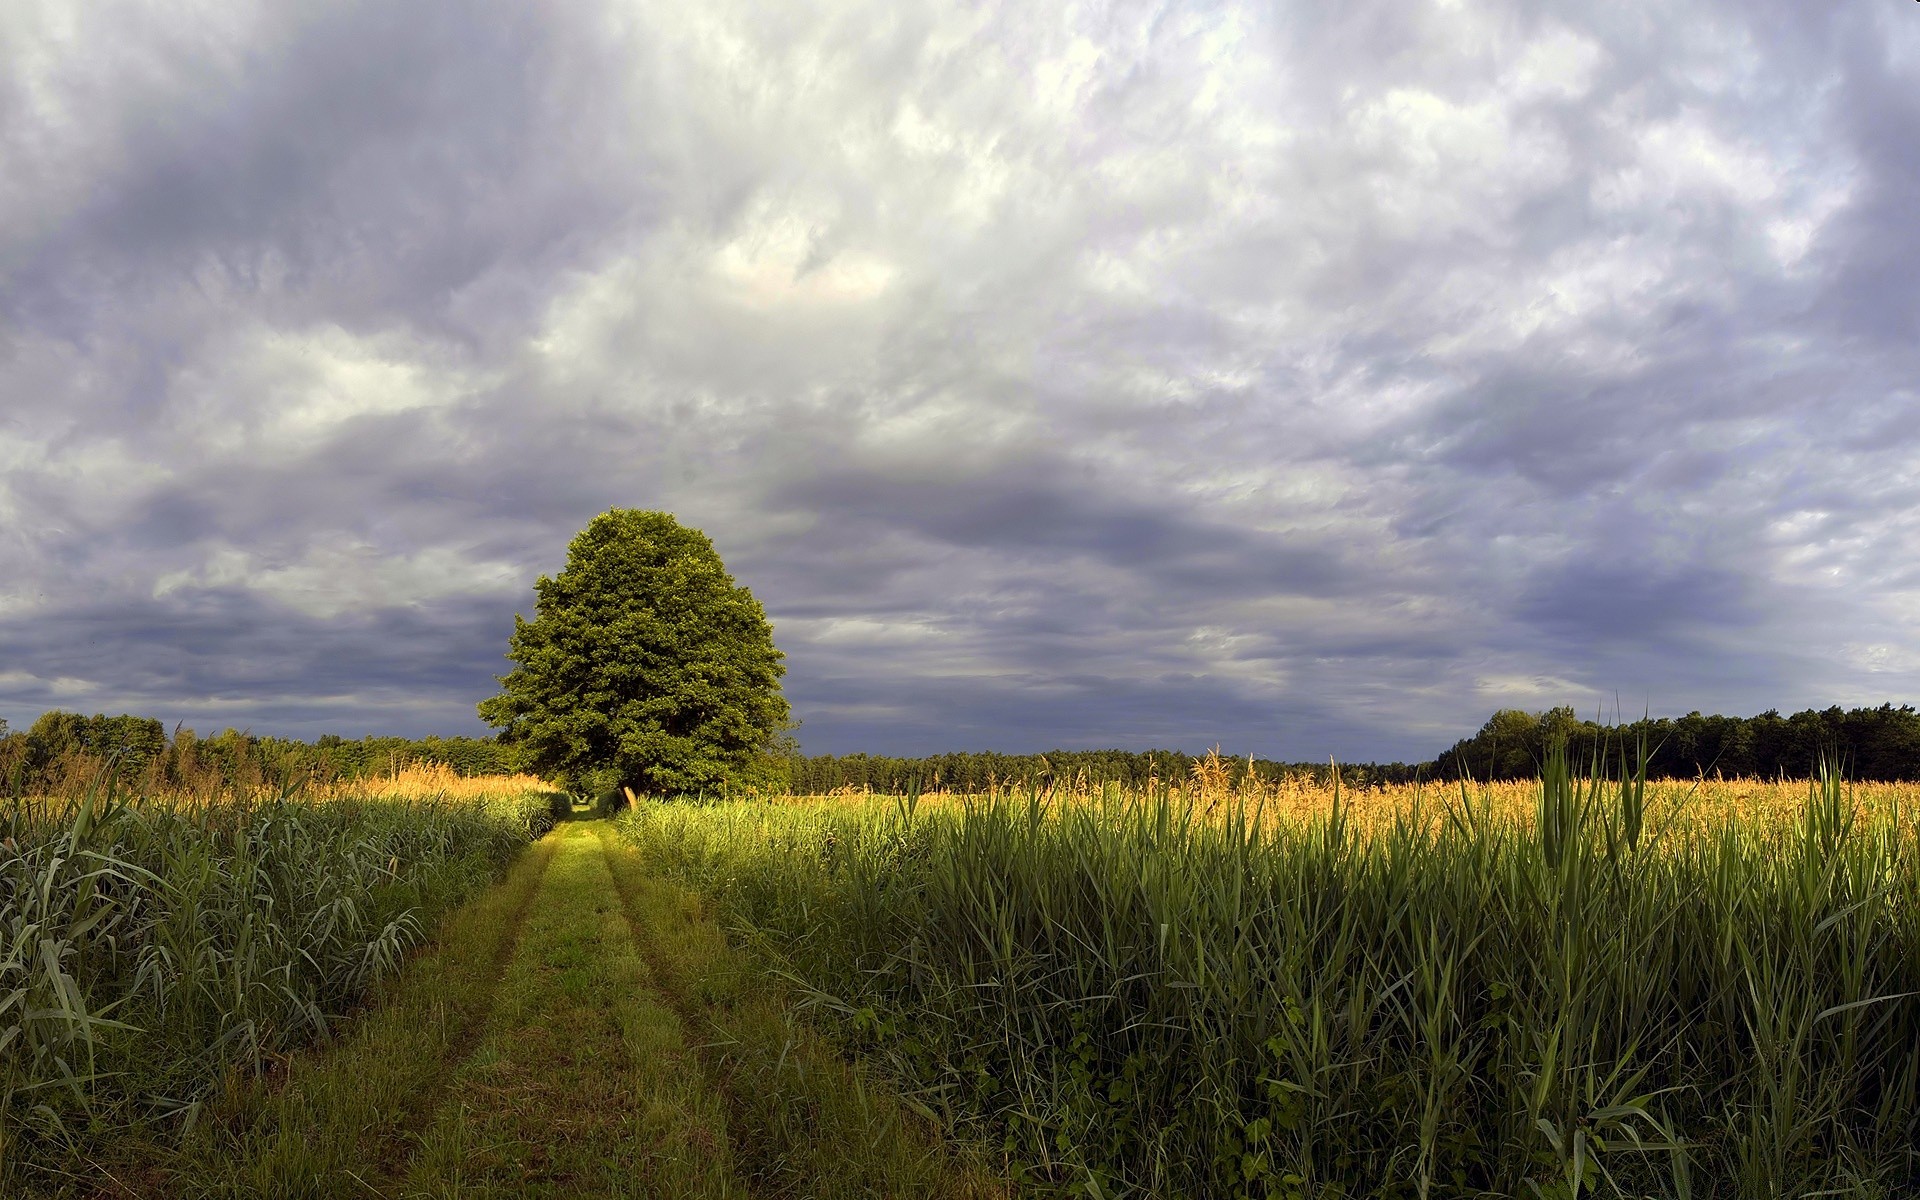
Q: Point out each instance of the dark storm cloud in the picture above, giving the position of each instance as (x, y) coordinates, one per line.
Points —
(1155, 712)
(1634, 602)
(363, 163)
(1309, 382)
(1871, 294)
(1017, 514)
(223, 654)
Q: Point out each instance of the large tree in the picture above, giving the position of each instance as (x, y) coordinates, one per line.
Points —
(644, 666)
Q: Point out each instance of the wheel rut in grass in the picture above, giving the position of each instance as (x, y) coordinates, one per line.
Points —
(469, 1015)
(348, 1114)
(803, 1121)
(579, 1030)
(582, 1083)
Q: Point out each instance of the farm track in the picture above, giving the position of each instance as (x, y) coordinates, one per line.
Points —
(341, 1119)
(465, 1018)
(582, 1083)
(579, 1030)
(802, 1122)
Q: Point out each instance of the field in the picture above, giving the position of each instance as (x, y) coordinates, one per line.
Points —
(1563, 988)
(412, 987)
(152, 949)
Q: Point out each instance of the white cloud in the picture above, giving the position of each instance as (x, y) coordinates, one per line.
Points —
(60, 688)
(1558, 65)
(265, 391)
(777, 262)
(1533, 691)
(343, 578)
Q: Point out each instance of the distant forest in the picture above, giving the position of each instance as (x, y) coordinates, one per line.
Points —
(976, 772)
(1881, 744)
(63, 750)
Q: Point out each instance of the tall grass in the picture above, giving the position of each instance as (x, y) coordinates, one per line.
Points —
(1609, 994)
(150, 950)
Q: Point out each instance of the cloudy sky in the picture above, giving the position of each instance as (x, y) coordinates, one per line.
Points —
(1308, 378)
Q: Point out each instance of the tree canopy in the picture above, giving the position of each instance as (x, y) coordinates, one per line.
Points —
(645, 666)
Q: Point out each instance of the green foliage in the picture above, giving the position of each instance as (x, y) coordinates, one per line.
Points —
(645, 666)
(1875, 743)
(52, 745)
(981, 771)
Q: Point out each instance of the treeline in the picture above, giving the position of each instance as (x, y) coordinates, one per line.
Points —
(63, 752)
(977, 772)
(1878, 744)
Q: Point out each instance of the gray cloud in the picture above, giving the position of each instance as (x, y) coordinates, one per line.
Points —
(1307, 382)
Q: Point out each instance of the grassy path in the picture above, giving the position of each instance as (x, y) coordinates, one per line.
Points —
(803, 1122)
(583, 1084)
(581, 1030)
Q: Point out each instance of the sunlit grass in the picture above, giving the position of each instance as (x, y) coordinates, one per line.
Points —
(583, 1082)
(583, 1029)
(1298, 802)
(423, 781)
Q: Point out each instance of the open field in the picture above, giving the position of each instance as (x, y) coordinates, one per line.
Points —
(1566, 988)
(1556, 989)
(580, 1030)
(330, 995)
(1707, 803)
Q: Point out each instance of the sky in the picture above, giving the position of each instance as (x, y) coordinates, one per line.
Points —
(1309, 379)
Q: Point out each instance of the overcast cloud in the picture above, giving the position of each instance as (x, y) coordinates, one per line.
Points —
(1311, 379)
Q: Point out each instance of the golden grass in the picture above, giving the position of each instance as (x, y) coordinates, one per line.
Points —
(426, 781)
(417, 785)
(1758, 805)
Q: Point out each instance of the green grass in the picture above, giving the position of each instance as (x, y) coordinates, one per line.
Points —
(580, 1030)
(583, 1083)
(1122, 997)
(1133, 1001)
(803, 1121)
(332, 1123)
(152, 953)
